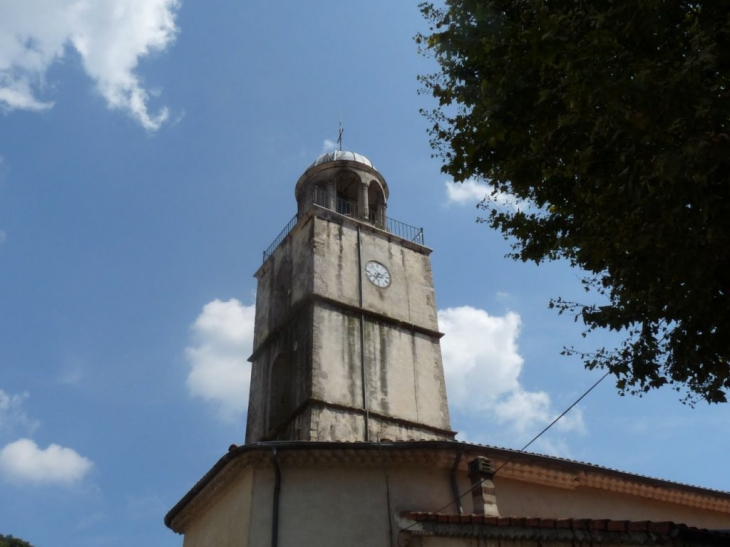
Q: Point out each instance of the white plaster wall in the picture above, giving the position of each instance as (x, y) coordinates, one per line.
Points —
(228, 521)
(347, 505)
(262, 500)
(517, 498)
(325, 504)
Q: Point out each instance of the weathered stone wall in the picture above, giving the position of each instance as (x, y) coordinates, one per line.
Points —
(307, 342)
(403, 370)
(329, 424)
(284, 280)
(410, 298)
(281, 378)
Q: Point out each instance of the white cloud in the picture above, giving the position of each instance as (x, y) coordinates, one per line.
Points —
(329, 146)
(480, 353)
(471, 192)
(72, 371)
(468, 191)
(23, 462)
(12, 414)
(552, 447)
(110, 36)
(71, 375)
(482, 365)
(223, 338)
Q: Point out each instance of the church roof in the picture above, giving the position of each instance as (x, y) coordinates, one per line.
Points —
(339, 155)
(565, 529)
(523, 466)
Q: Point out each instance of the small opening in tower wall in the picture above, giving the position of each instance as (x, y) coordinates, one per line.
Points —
(282, 390)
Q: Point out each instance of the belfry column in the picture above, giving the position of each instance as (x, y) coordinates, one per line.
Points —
(381, 214)
(332, 194)
(363, 201)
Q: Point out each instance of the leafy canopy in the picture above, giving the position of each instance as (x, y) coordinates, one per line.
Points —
(610, 120)
(10, 541)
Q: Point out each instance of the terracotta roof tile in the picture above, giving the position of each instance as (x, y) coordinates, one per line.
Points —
(639, 526)
(598, 525)
(547, 523)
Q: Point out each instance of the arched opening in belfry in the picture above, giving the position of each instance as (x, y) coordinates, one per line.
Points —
(353, 192)
(376, 203)
(347, 186)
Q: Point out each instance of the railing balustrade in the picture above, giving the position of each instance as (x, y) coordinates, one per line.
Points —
(405, 231)
(285, 232)
(322, 198)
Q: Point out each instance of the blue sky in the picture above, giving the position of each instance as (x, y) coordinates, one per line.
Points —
(148, 154)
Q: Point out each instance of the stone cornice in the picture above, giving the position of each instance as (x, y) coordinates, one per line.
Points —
(313, 402)
(374, 316)
(648, 491)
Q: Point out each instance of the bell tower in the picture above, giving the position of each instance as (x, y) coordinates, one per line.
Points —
(346, 341)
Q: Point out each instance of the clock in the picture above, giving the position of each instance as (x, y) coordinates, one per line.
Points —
(377, 274)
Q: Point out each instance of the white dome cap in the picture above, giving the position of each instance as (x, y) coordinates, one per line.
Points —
(339, 155)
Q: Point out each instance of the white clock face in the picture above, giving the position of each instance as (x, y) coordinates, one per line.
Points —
(377, 274)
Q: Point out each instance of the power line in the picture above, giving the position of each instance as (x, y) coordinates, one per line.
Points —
(536, 437)
(477, 485)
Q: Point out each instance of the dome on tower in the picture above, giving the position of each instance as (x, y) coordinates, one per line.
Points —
(345, 182)
(339, 155)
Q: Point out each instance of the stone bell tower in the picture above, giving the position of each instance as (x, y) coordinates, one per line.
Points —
(346, 343)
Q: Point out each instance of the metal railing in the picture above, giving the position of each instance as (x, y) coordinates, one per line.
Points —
(350, 209)
(342, 206)
(285, 232)
(405, 231)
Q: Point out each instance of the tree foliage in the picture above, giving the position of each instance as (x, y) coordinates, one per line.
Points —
(10, 541)
(609, 118)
